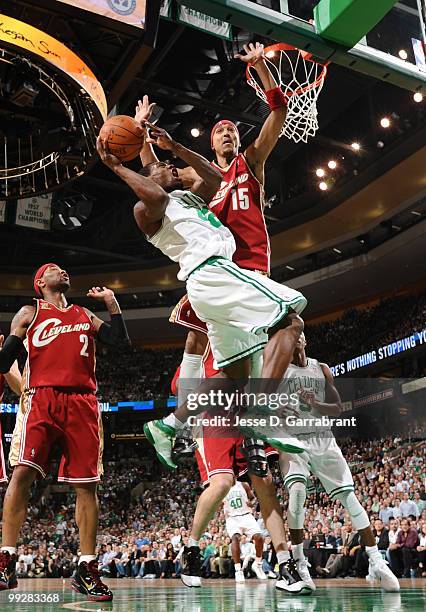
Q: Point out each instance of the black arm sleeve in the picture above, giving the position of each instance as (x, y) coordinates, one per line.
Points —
(9, 353)
(114, 333)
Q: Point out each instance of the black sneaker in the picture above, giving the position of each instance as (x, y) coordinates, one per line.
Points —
(289, 579)
(7, 571)
(191, 569)
(184, 447)
(87, 581)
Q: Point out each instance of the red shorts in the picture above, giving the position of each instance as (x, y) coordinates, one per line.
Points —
(3, 475)
(184, 315)
(49, 416)
(219, 452)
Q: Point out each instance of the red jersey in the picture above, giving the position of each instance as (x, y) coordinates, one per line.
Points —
(61, 348)
(239, 205)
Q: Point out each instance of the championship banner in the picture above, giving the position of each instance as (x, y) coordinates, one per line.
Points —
(200, 21)
(34, 212)
(24, 36)
(2, 211)
(131, 12)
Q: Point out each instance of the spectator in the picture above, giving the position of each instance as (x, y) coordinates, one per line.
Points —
(421, 550)
(339, 564)
(403, 551)
(408, 507)
(385, 512)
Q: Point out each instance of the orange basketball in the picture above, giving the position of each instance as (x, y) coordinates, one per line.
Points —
(123, 136)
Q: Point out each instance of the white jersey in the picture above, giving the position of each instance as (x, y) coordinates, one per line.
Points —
(190, 233)
(311, 377)
(235, 503)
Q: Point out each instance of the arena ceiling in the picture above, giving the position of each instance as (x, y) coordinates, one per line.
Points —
(194, 79)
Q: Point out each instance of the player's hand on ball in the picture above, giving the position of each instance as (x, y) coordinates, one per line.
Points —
(253, 53)
(159, 137)
(107, 158)
(308, 397)
(101, 294)
(144, 110)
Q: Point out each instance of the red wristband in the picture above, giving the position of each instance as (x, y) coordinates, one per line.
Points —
(276, 98)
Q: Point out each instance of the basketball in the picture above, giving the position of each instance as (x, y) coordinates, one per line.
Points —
(123, 136)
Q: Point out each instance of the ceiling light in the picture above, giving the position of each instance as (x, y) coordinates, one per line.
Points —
(332, 164)
(418, 97)
(290, 268)
(356, 146)
(385, 122)
(337, 251)
(396, 227)
(320, 172)
(323, 186)
(195, 132)
(415, 212)
(403, 54)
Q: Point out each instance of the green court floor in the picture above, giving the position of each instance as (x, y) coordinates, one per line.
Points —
(338, 595)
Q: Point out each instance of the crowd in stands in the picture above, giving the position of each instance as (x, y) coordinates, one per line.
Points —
(146, 513)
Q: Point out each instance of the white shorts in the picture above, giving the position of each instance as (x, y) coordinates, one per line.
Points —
(244, 524)
(238, 306)
(322, 458)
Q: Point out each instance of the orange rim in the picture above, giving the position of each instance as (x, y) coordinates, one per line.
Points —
(306, 56)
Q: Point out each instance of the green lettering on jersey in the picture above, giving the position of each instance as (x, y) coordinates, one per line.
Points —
(207, 215)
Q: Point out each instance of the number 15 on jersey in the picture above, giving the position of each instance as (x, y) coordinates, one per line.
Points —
(240, 199)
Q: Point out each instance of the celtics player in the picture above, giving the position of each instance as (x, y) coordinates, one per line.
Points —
(314, 383)
(239, 520)
(239, 306)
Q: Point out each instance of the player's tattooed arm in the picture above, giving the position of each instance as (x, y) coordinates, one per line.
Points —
(333, 404)
(258, 152)
(113, 333)
(13, 345)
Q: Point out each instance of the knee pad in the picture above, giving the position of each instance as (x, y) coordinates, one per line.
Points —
(254, 451)
(357, 513)
(296, 505)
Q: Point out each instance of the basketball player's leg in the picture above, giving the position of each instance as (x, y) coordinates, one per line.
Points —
(208, 504)
(236, 551)
(87, 517)
(15, 505)
(331, 468)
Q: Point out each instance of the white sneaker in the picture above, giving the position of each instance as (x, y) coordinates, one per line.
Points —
(257, 569)
(160, 436)
(379, 570)
(239, 576)
(272, 575)
(302, 567)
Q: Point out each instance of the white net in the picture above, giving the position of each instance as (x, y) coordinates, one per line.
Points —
(301, 79)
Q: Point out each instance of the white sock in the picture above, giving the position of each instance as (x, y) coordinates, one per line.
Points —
(258, 560)
(373, 552)
(297, 550)
(191, 366)
(283, 556)
(172, 421)
(10, 549)
(86, 558)
(192, 542)
(237, 567)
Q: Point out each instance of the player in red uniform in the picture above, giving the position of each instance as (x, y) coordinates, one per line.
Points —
(13, 379)
(58, 405)
(238, 204)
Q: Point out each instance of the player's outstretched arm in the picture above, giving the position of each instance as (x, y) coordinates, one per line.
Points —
(143, 112)
(333, 404)
(258, 152)
(114, 333)
(14, 378)
(13, 345)
(209, 179)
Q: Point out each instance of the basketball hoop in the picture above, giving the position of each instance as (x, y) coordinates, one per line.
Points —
(301, 78)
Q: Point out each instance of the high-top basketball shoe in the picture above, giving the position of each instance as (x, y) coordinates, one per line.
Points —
(87, 581)
(7, 571)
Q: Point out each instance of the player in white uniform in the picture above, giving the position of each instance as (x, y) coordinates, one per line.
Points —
(314, 383)
(238, 306)
(240, 521)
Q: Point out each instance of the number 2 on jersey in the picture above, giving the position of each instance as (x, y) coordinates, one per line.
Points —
(84, 339)
(240, 199)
